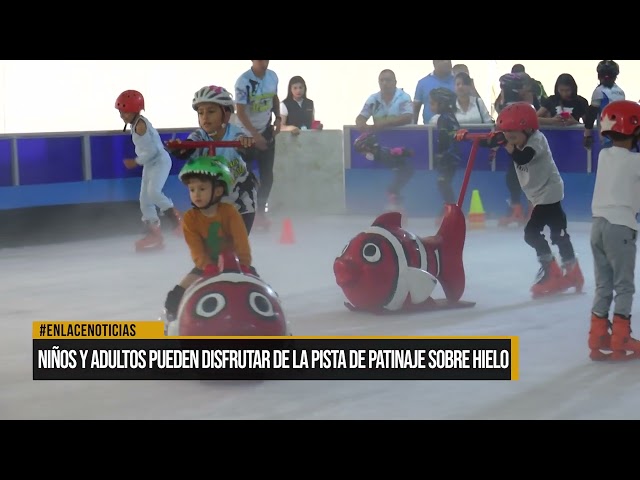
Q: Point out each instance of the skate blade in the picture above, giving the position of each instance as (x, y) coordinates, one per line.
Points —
(154, 248)
(557, 293)
(433, 306)
(614, 357)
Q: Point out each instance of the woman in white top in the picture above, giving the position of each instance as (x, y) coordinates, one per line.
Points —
(471, 109)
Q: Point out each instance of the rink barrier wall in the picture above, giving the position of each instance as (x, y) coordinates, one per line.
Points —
(315, 172)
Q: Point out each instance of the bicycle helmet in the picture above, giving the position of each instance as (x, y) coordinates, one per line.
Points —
(214, 167)
(517, 116)
(608, 69)
(213, 94)
(130, 101)
(622, 116)
(514, 81)
(444, 96)
(366, 143)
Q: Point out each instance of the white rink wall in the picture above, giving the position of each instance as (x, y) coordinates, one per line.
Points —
(79, 95)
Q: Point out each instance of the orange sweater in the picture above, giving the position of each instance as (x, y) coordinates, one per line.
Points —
(207, 237)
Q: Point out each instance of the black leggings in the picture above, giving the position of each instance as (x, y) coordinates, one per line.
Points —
(265, 160)
(552, 216)
(446, 166)
(402, 166)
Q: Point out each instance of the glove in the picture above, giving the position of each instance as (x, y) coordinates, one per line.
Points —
(211, 270)
(587, 142)
(130, 163)
(172, 302)
(461, 135)
(496, 139)
(180, 151)
(401, 152)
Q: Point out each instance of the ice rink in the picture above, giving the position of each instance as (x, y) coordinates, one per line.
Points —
(106, 280)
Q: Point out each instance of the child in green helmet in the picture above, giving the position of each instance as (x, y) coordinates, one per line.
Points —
(211, 226)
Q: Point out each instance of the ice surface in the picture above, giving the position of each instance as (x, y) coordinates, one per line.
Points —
(106, 280)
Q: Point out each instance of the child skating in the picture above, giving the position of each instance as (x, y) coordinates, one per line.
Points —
(517, 129)
(156, 165)
(210, 227)
(398, 159)
(614, 233)
(215, 106)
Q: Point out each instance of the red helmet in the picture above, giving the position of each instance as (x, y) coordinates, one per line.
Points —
(622, 116)
(517, 116)
(130, 101)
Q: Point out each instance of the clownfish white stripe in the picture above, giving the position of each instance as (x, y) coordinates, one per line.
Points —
(402, 288)
(223, 277)
(424, 263)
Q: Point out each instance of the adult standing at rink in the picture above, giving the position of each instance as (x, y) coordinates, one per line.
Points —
(256, 93)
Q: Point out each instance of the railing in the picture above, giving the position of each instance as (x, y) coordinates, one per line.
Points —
(317, 167)
(565, 143)
(59, 157)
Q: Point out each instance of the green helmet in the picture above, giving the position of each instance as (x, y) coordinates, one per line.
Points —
(216, 167)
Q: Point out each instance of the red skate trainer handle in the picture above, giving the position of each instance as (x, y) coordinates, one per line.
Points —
(212, 145)
(478, 136)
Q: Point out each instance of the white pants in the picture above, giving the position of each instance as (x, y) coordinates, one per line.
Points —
(154, 176)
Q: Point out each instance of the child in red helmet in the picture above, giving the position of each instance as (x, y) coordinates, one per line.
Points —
(518, 131)
(156, 165)
(614, 232)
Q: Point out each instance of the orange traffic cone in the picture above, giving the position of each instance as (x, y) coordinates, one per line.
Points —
(286, 236)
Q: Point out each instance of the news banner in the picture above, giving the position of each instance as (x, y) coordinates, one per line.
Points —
(141, 351)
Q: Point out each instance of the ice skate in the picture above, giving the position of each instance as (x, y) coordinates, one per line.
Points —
(573, 277)
(153, 239)
(599, 338)
(623, 345)
(175, 220)
(549, 281)
(516, 215)
(262, 221)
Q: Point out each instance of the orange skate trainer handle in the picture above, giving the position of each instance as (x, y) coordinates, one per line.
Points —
(210, 145)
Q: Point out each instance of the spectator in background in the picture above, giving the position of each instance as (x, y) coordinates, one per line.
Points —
(441, 77)
(470, 108)
(390, 107)
(517, 87)
(257, 100)
(297, 111)
(537, 87)
(462, 68)
(565, 107)
(606, 92)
